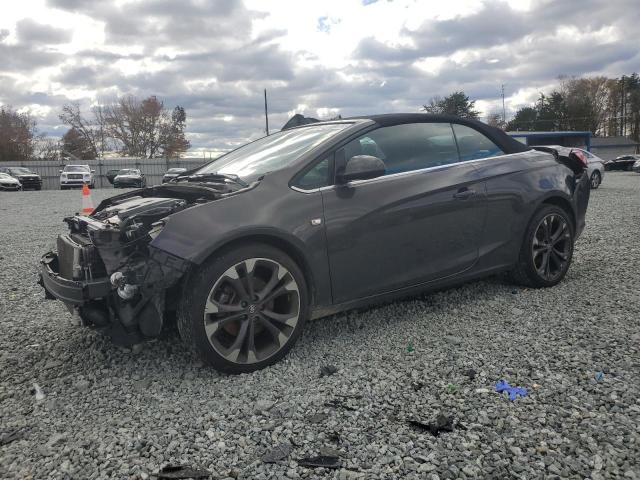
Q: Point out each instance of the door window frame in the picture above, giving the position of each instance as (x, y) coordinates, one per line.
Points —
(333, 167)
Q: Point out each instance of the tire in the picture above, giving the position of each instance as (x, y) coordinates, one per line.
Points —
(530, 270)
(252, 339)
(62, 188)
(596, 180)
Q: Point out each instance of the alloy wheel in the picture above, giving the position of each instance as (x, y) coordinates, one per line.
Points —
(595, 180)
(551, 247)
(252, 310)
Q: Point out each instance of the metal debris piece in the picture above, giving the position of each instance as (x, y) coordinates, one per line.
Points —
(339, 404)
(13, 435)
(328, 370)
(443, 423)
(471, 373)
(321, 461)
(318, 417)
(278, 453)
(181, 472)
(417, 385)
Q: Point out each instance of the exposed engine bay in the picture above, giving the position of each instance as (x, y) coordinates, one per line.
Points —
(105, 269)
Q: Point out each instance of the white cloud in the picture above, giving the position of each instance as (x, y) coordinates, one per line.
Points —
(315, 58)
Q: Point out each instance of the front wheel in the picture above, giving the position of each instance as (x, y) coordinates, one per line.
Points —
(547, 249)
(244, 309)
(596, 179)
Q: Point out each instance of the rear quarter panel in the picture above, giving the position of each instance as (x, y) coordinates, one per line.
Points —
(516, 185)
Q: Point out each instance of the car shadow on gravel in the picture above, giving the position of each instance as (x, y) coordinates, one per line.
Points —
(363, 326)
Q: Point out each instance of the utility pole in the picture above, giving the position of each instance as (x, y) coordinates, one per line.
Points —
(622, 108)
(266, 112)
(504, 112)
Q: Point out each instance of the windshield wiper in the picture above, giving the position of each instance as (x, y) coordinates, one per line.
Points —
(214, 176)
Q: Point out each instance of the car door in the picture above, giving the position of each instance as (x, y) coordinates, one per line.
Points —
(507, 179)
(419, 222)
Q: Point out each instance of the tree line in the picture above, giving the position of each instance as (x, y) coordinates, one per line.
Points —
(603, 106)
(132, 127)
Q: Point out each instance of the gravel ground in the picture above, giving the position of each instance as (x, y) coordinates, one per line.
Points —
(109, 412)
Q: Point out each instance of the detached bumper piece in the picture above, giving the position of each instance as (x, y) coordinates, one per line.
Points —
(75, 292)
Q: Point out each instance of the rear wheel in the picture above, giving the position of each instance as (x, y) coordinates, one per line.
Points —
(245, 309)
(547, 249)
(596, 179)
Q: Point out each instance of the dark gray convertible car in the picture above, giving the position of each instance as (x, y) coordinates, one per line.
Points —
(314, 220)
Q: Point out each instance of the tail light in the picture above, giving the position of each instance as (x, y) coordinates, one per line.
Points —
(580, 156)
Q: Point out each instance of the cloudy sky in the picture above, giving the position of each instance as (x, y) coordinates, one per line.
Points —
(319, 58)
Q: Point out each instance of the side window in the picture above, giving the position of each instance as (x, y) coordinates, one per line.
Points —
(317, 176)
(474, 145)
(404, 148)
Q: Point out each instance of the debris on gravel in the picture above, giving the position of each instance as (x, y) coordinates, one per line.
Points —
(442, 423)
(112, 413)
(278, 453)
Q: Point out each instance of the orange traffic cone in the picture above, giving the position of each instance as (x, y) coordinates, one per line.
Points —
(87, 204)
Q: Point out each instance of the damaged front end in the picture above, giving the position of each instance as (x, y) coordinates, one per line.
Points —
(106, 270)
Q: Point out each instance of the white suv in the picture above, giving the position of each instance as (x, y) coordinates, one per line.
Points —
(76, 176)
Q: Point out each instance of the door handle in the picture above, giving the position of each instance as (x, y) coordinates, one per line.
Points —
(465, 193)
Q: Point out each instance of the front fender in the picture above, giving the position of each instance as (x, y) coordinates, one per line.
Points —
(271, 211)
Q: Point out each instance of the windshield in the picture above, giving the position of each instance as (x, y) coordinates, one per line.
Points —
(128, 171)
(273, 152)
(176, 170)
(20, 171)
(76, 168)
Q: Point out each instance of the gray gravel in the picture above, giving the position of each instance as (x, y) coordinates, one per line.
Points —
(114, 413)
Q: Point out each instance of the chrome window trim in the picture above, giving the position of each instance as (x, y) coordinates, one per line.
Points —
(401, 174)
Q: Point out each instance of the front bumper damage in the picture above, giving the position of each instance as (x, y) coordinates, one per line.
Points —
(106, 270)
(97, 301)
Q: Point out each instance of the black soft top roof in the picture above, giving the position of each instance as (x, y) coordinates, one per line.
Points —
(506, 143)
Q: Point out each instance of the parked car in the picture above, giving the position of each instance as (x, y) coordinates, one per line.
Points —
(7, 182)
(624, 162)
(76, 176)
(111, 174)
(315, 220)
(595, 167)
(26, 177)
(129, 177)
(172, 173)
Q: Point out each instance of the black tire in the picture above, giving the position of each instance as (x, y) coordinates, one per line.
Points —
(62, 188)
(596, 180)
(527, 271)
(203, 284)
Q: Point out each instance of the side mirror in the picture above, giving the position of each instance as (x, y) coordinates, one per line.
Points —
(93, 171)
(59, 171)
(361, 167)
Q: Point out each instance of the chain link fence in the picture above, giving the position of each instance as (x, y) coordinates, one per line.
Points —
(153, 168)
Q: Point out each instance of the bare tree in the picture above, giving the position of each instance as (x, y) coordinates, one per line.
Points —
(145, 128)
(586, 102)
(494, 119)
(87, 129)
(47, 148)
